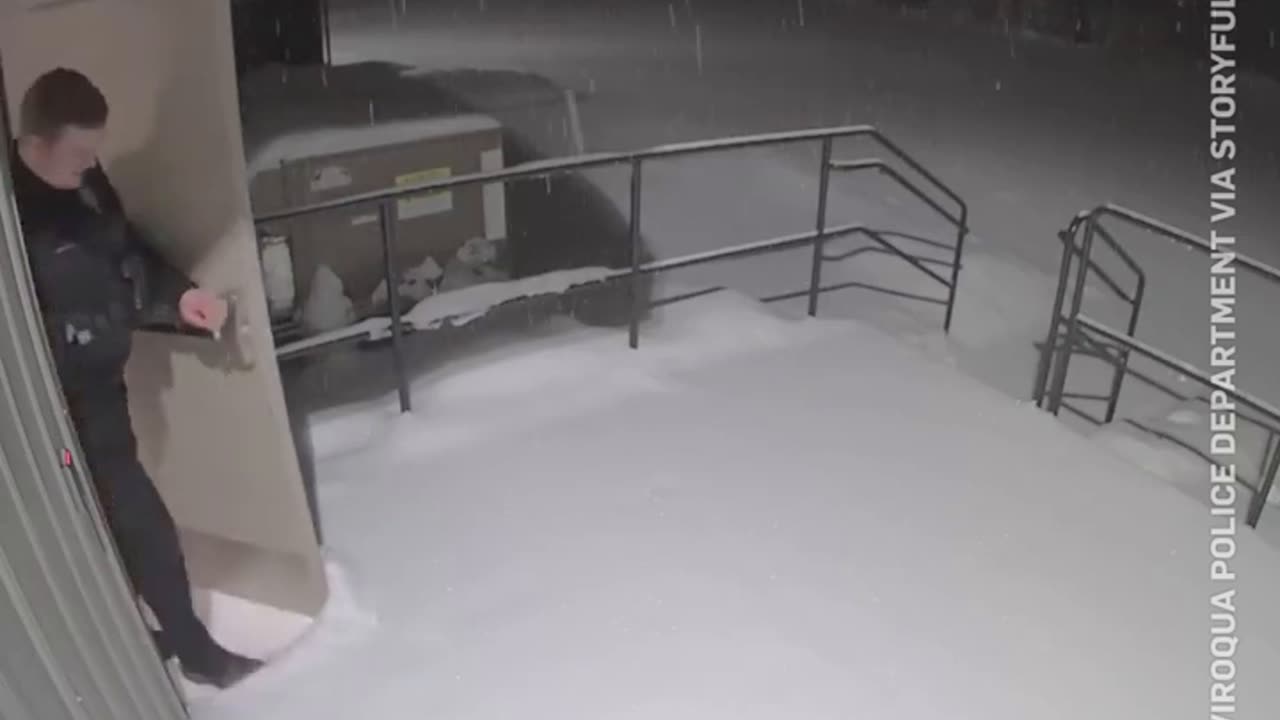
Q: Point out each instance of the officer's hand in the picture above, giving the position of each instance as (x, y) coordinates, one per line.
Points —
(202, 309)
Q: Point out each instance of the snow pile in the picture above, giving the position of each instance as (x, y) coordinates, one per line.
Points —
(473, 301)
(329, 314)
(327, 308)
(476, 262)
(752, 518)
(293, 645)
(415, 285)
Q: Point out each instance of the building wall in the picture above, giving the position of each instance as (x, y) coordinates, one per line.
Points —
(210, 416)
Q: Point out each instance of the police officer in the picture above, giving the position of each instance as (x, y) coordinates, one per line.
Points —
(97, 281)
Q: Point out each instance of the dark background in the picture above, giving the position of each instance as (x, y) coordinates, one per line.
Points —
(292, 31)
(1139, 26)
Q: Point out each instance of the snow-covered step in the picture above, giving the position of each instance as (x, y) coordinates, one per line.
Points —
(751, 517)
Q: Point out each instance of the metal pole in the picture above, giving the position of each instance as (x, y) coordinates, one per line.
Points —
(961, 234)
(636, 184)
(575, 122)
(1073, 319)
(824, 183)
(1122, 369)
(386, 215)
(328, 33)
(1051, 340)
(1264, 488)
(1270, 447)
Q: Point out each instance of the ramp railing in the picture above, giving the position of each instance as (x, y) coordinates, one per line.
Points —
(816, 238)
(1072, 250)
(1072, 332)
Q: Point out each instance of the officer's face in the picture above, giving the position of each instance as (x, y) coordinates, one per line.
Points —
(65, 157)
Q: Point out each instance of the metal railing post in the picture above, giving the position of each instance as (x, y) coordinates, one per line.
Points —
(961, 233)
(1264, 490)
(1122, 369)
(1270, 467)
(1270, 447)
(1073, 322)
(820, 226)
(1051, 340)
(328, 32)
(634, 279)
(386, 216)
(1069, 251)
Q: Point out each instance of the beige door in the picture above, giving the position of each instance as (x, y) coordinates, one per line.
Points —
(210, 415)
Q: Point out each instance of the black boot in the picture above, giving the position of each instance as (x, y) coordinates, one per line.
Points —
(163, 647)
(220, 668)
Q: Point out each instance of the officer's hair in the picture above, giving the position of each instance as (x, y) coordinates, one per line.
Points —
(59, 99)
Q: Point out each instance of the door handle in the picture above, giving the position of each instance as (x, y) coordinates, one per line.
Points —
(241, 329)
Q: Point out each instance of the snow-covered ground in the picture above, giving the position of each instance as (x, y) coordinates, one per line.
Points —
(1028, 131)
(749, 517)
(757, 516)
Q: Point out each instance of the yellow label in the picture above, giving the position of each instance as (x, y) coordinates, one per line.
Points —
(427, 203)
(423, 176)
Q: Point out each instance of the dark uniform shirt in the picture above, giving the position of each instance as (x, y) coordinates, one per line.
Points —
(97, 281)
(96, 278)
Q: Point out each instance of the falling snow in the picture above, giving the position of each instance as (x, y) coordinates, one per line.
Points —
(593, 537)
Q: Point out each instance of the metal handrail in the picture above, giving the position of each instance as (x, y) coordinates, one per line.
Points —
(776, 244)
(541, 168)
(1068, 237)
(961, 223)
(1183, 237)
(1186, 369)
(1097, 348)
(635, 160)
(1058, 350)
(1089, 221)
(1118, 249)
(1070, 252)
(882, 166)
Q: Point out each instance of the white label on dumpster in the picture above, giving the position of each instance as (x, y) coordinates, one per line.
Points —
(428, 203)
(365, 219)
(330, 177)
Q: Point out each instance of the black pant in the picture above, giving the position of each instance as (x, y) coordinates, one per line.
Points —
(141, 524)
